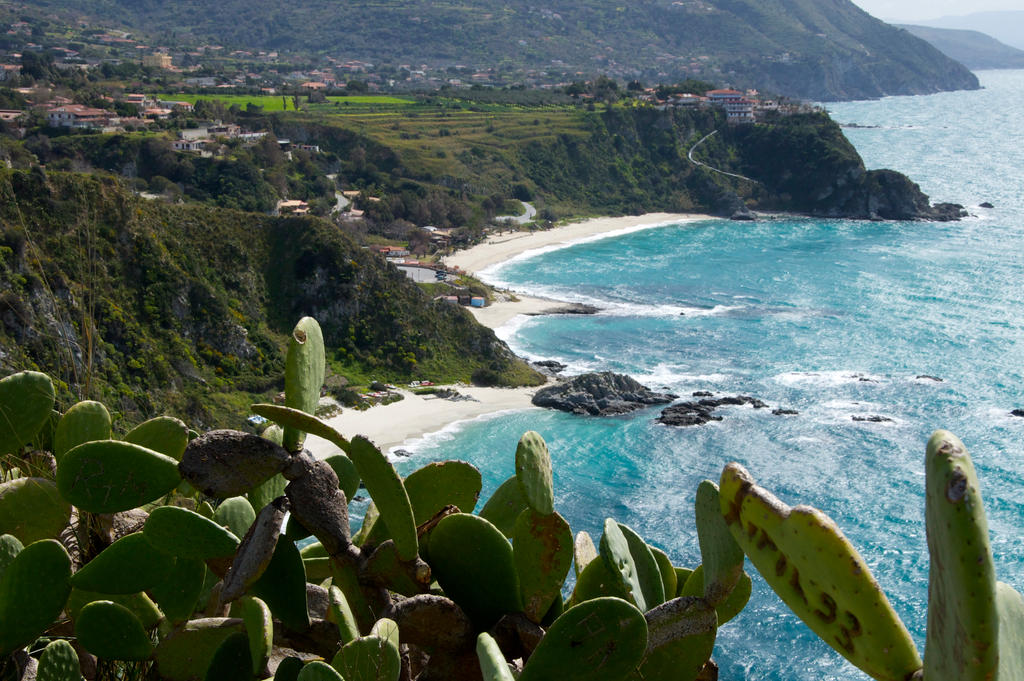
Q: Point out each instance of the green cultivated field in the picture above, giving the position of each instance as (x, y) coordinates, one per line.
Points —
(271, 103)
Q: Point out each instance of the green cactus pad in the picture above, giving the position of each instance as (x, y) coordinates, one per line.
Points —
(185, 534)
(164, 434)
(303, 375)
(683, 578)
(283, 586)
(600, 640)
(504, 506)
(387, 630)
(318, 671)
(368, 658)
(680, 637)
(543, 555)
(33, 591)
(340, 613)
(348, 476)
(721, 556)
(808, 562)
(32, 509)
(236, 514)
(440, 484)
(178, 594)
(583, 551)
(1011, 632)
(474, 564)
(648, 570)
(384, 566)
(618, 559)
(59, 662)
(388, 493)
(595, 581)
(963, 622)
(83, 422)
(108, 476)
(731, 605)
(296, 420)
(259, 627)
(186, 653)
(533, 471)
(262, 494)
(668, 572)
(231, 660)
(492, 661)
(112, 632)
(26, 403)
(290, 668)
(10, 546)
(129, 565)
(345, 578)
(139, 604)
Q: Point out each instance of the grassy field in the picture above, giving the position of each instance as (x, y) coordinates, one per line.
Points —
(272, 103)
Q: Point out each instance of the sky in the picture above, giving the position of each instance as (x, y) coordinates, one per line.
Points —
(922, 10)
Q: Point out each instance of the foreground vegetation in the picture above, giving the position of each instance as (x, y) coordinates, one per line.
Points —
(166, 555)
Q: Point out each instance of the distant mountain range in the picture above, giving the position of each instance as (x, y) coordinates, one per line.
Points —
(814, 49)
(1006, 27)
(973, 49)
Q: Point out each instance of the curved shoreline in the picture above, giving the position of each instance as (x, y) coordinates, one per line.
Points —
(415, 416)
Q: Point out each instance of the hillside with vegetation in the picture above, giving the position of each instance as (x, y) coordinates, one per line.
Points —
(154, 307)
(801, 48)
(973, 49)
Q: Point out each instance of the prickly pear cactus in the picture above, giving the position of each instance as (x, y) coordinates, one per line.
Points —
(178, 594)
(543, 553)
(648, 572)
(441, 484)
(32, 509)
(303, 375)
(533, 471)
(385, 486)
(59, 662)
(808, 562)
(183, 533)
(504, 506)
(368, 658)
(584, 551)
(236, 514)
(318, 671)
(231, 660)
(164, 434)
(283, 586)
(680, 637)
(111, 631)
(963, 622)
(129, 565)
(229, 463)
(108, 476)
(492, 662)
(721, 556)
(600, 640)
(1010, 606)
(619, 561)
(186, 653)
(26, 403)
(83, 422)
(33, 590)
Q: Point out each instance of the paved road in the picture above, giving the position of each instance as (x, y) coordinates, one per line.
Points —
(528, 216)
(695, 162)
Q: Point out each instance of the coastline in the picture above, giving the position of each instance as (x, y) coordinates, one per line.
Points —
(389, 426)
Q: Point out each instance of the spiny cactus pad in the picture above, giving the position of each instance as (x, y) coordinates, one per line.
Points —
(504, 506)
(533, 471)
(340, 613)
(492, 661)
(183, 533)
(618, 559)
(647, 569)
(255, 551)
(296, 420)
(83, 422)
(59, 662)
(112, 632)
(808, 562)
(721, 556)
(129, 565)
(164, 434)
(963, 623)
(10, 546)
(33, 591)
(178, 594)
(259, 627)
(385, 486)
(186, 653)
(368, 658)
(583, 551)
(600, 640)
(139, 604)
(318, 671)
(303, 375)
(473, 563)
(543, 554)
(726, 608)
(1011, 632)
(26, 403)
(236, 514)
(440, 484)
(668, 572)
(108, 476)
(32, 509)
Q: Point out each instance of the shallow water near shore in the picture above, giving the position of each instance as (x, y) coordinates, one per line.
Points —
(919, 323)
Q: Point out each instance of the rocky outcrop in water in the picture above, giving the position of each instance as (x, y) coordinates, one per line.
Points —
(599, 394)
(700, 412)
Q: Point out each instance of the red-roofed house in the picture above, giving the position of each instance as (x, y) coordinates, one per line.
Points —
(78, 116)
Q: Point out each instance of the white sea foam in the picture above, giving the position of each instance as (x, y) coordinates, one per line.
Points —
(446, 434)
(830, 378)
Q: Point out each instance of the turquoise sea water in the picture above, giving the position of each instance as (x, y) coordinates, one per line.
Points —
(832, 318)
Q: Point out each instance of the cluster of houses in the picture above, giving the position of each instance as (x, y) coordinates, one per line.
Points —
(63, 113)
(740, 107)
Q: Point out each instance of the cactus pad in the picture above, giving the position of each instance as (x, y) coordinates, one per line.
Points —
(255, 551)
(440, 484)
(388, 493)
(504, 506)
(1011, 632)
(533, 471)
(164, 434)
(139, 604)
(283, 586)
(808, 562)
(59, 662)
(186, 654)
(680, 637)
(648, 571)
(32, 509)
(10, 546)
(33, 591)
(318, 671)
(668, 572)
(543, 554)
(304, 369)
(108, 476)
(231, 660)
(178, 594)
(129, 565)
(185, 534)
(296, 420)
(368, 658)
(83, 422)
(600, 640)
(619, 560)
(474, 564)
(340, 613)
(721, 556)
(26, 403)
(492, 661)
(583, 551)
(111, 631)
(236, 514)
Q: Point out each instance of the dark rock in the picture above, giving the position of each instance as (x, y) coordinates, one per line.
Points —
(702, 411)
(874, 418)
(785, 412)
(925, 377)
(985, 204)
(402, 453)
(1017, 412)
(703, 393)
(549, 367)
(743, 216)
(599, 394)
(571, 308)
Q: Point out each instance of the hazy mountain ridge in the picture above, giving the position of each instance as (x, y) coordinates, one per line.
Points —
(1006, 26)
(822, 51)
(973, 49)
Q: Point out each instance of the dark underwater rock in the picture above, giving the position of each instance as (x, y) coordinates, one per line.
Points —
(599, 394)
(702, 411)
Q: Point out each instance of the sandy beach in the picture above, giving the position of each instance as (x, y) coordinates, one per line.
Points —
(391, 425)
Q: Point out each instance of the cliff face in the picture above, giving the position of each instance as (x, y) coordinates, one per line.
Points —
(153, 307)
